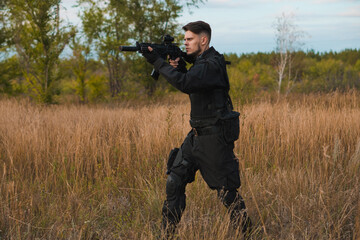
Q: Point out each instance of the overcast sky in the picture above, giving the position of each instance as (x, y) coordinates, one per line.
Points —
(244, 26)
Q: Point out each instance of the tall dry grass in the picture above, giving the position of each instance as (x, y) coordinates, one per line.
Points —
(98, 172)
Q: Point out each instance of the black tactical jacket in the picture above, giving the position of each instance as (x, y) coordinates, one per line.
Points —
(207, 84)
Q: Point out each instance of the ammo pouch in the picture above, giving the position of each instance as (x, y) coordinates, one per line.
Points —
(231, 126)
(171, 159)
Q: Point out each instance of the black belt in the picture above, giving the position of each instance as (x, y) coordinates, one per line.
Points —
(206, 130)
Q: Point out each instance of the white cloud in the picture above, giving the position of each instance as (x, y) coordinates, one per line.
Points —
(351, 12)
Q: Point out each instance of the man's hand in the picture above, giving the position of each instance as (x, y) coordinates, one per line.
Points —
(151, 56)
(174, 63)
(179, 64)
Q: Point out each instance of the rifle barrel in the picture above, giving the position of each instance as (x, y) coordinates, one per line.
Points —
(129, 48)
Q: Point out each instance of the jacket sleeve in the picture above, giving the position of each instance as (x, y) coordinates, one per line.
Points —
(205, 74)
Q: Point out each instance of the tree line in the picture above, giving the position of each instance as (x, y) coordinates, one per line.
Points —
(34, 39)
(308, 72)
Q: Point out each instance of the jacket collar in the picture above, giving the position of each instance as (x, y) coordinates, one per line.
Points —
(210, 51)
(206, 52)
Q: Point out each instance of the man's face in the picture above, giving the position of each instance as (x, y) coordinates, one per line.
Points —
(192, 44)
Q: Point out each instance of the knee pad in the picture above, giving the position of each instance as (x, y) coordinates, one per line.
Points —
(173, 185)
(175, 198)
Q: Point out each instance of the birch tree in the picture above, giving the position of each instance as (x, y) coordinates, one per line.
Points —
(288, 40)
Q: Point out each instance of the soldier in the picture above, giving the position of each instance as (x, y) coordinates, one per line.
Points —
(208, 147)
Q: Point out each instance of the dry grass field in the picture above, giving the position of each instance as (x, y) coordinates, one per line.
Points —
(98, 172)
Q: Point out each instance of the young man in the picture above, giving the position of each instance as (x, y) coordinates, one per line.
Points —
(209, 145)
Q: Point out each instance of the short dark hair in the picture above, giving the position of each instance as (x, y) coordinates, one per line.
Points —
(198, 27)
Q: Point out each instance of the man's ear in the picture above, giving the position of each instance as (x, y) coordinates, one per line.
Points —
(204, 40)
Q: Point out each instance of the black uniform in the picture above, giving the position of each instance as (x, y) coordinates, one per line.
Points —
(208, 147)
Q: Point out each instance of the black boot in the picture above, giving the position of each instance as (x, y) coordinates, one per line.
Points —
(168, 229)
(246, 225)
(239, 218)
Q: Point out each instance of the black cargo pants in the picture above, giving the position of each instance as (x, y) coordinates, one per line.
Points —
(208, 151)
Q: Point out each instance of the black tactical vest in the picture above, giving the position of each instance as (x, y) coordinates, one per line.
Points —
(208, 106)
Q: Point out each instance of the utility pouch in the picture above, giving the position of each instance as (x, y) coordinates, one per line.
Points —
(171, 159)
(231, 126)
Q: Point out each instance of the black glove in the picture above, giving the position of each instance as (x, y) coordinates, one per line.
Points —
(152, 56)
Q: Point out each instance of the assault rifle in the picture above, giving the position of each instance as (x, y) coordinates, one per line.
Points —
(164, 49)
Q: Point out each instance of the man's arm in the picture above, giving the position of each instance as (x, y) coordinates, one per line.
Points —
(205, 74)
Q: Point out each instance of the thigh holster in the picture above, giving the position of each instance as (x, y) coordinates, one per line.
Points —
(171, 159)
